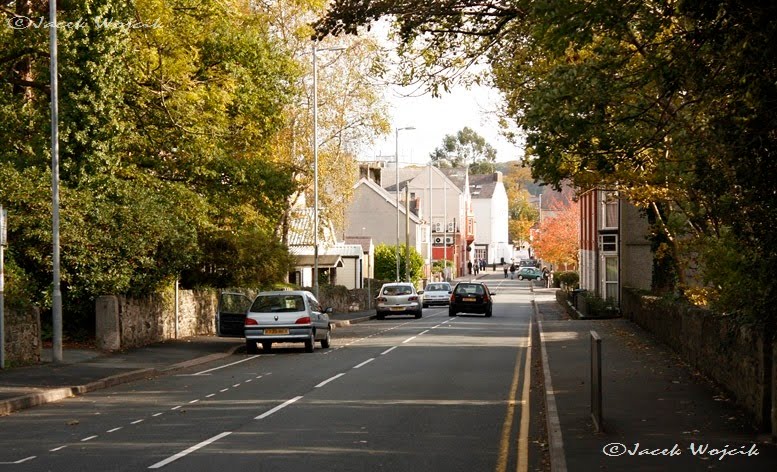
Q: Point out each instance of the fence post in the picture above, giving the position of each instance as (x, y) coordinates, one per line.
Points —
(596, 381)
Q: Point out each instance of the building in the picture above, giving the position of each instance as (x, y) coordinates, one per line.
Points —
(614, 249)
(490, 208)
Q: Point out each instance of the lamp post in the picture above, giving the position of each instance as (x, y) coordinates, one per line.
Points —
(56, 306)
(315, 163)
(396, 174)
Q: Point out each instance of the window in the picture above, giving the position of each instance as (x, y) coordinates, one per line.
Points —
(611, 277)
(608, 243)
(609, 205)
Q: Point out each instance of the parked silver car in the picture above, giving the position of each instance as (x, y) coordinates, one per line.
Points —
(398, 298)
(289, 316)
(437, 293)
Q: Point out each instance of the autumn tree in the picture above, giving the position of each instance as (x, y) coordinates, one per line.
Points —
(522, 213)
(557, 240)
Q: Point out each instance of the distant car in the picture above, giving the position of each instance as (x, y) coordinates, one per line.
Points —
(437, 293)
(471, 297)
(529, 273)
(398, 298)
(288, 316)
(529, 263)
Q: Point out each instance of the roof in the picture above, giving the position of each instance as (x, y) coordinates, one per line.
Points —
(364, 241)
(390, 198)
(457, 175)
(482, 186)
(406, 174)
(324, 260)
(301, 224)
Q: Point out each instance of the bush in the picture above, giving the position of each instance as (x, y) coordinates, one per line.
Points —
(568, 279)
(597, 307)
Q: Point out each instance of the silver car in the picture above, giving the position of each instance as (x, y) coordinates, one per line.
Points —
(289, 316)
(437, 293)
(398, 298)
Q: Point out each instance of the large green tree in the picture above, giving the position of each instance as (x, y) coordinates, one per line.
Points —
(465, 148)
(670, 102)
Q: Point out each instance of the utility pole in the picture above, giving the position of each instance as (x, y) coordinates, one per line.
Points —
(56, 306)
(407, 234)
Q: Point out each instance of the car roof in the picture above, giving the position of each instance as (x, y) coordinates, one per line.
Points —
(285, 292)
(403, 284)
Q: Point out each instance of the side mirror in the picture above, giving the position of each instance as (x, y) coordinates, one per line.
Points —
(450, 291)
(420, 292)
(329, 310)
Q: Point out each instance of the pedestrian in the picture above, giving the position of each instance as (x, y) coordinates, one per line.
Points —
(482, 264)
(512, 271)
(493, 266)
(505, 269)
(469, 267)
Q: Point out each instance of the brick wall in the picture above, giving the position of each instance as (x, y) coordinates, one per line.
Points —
(737, 357)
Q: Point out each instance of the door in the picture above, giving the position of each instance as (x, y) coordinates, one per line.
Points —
(231, 314)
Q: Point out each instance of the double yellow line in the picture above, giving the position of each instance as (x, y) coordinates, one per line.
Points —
(522, 462)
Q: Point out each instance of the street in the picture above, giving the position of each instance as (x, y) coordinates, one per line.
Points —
(438, 393)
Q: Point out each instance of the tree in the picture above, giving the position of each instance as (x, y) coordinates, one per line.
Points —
(558, 239)
(466, 148)
(669, 103)
(386, 263)
(522, 213)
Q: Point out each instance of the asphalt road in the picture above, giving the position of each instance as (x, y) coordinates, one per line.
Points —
(433, 394)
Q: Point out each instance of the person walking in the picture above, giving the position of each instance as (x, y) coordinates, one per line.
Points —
(512, 271)
(504, 267)
(469, 267)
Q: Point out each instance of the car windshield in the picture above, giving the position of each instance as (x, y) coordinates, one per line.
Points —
(466, 289)
(397, 290)
(278, 303)
(437, 288)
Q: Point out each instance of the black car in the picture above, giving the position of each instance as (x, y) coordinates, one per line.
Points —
(471, 297)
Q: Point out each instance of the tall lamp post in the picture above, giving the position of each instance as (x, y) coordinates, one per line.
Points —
(315, 162)
(56, 307)
(396, 174)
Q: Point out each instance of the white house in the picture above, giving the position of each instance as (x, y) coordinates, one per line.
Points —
(490, 207)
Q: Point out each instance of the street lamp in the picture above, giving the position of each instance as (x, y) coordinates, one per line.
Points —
(396, 173)
(315, 163)
(56, 299)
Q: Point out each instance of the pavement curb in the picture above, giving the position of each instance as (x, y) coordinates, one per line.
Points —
(51, 395)
(341, 323)
(558, 461)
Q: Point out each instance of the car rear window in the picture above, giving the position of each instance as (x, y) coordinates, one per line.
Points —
(397, 290)
(463, 289)
(437, 288)
(278, 303)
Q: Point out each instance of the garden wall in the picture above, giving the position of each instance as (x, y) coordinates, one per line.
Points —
(22, 336)
(740, 358)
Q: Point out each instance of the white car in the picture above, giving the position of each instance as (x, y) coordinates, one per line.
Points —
(288, 316)
(398, 298)
(437, 293)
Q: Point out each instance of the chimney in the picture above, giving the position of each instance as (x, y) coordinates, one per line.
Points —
(497, 176)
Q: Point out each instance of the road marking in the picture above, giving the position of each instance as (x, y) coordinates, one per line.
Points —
(20, 460)
(329, 380)
(210, 395)
(194, 401)
(388, 350)
(57, 449)
(248, 380)
(507, 425)
(423, 332)
(175, 457)
(156, 414)
(409, 339)
(175, 407)
(277, 408)
(364, 363)
(523, 432)
(137, 421)
(114, 429)
(89, 438)
(223, 390)
(224, 366)
(236, 385)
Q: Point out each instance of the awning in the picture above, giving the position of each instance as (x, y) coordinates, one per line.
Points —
(324, 260)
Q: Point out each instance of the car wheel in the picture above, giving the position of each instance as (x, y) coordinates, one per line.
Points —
(310, 343)
(451, 313)
(488, 313)
(419, 314)
(426, 306)
(520, 277)
(380, 316)
(327, 340)
(267, 346)
(251, 346)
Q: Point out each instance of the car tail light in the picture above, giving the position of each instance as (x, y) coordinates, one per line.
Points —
(250, 321)
(485, 298)
(413, 299)
(382, 299)
(453, 298)
(303, 320)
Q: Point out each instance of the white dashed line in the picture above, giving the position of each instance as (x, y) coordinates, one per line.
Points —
(20, 460)
(248, 380)
(223, 390)
(210, 395)
(89, 438)
(156, 414)
(277, 408)
(194, 401)
(114, 429)
(223, 366)
(57, 449)
(137, 421)
(189, 451)
(423, 332)
(364, 363)
(329, 380)
(236, 385)
(388, 350)
(409, 339)
(175, 407)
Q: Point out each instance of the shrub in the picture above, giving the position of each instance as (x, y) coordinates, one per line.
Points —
(570, 279)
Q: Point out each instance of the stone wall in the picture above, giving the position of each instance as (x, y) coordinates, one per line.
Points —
(124, 322)
(22, 336)
(739, 358)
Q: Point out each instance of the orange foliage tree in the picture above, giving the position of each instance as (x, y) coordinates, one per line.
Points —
(558, 240)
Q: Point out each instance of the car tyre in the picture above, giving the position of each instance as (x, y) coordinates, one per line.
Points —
(426, 306)
(488, 313)
(266, 346)
(310, 343)
(451, 313)
(251, 346)
(520, 277)
(380, 316)
(325, 343)
(419, 314)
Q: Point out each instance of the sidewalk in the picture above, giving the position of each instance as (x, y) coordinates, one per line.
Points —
(86, 370)
(654, 407)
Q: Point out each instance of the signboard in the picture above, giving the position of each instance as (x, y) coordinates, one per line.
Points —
(3, 227)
